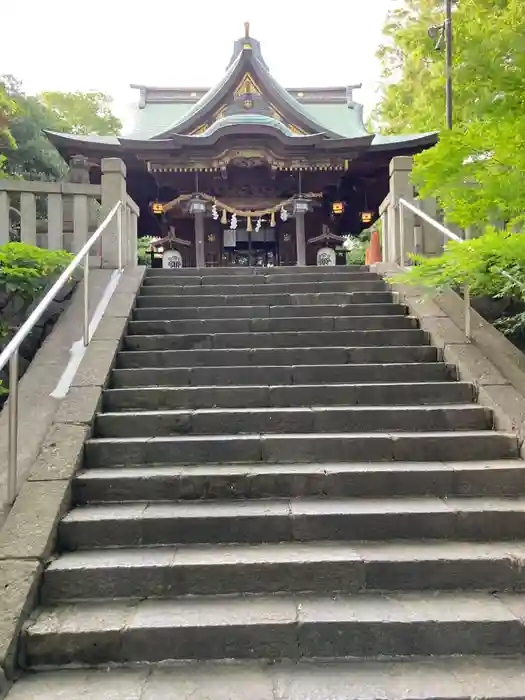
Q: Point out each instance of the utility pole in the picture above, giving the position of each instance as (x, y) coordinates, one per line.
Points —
(448, 60)
(443, 34)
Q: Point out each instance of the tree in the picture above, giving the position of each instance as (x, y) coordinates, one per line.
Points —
(25, 150)
(478, 169)
(81, 113)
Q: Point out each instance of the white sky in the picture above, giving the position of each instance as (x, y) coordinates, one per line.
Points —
(107, 44)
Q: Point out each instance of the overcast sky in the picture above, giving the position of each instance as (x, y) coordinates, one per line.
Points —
(108, 44)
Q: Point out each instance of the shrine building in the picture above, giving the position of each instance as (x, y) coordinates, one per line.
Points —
(249, 172)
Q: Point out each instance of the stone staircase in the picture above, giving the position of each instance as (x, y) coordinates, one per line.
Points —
(284, 469)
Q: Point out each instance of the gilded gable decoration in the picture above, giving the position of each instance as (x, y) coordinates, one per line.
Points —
(247, 86)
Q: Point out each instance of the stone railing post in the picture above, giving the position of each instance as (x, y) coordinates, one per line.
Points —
(113, 191)
(401, 222)
(300, 208)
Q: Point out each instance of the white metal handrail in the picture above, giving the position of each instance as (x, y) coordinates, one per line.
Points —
(451, 236)
(10, 354)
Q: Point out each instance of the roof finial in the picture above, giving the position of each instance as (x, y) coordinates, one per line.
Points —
(246, 30)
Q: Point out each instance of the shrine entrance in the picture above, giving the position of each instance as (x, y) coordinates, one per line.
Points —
(257, 248)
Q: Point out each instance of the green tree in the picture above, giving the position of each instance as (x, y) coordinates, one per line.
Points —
(478, 169)
(81, 113)
(25, 151)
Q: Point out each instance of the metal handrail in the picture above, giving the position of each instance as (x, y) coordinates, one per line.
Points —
(453, 237)
(11, 352)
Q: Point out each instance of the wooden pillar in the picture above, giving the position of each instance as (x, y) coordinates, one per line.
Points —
(198, 209)
(300, 209)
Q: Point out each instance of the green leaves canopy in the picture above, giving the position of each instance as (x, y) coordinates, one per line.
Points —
(477, 170)
(25, 150)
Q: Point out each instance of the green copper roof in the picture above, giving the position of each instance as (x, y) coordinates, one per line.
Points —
(338, 118)
(155, 118)
(259, 119)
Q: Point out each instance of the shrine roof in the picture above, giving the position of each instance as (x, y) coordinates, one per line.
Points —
(247, 96)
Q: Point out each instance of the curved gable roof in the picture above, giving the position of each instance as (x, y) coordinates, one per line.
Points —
(247, 62)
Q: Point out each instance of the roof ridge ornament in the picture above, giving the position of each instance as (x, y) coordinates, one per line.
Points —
(246, 30)
(350, 93)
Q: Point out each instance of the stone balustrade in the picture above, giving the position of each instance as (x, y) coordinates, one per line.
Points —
(62, 215)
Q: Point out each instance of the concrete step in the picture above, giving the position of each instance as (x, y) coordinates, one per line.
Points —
(298, 519)
(293, 339)
(395, 394)
(259, 280)
(404, 371)
(294, 567)
(299, 448)
(322, 299)
(322, 419)
(271, 325)
(337, 480)
(444, 678)
(259, 357)
(228, 272)
(270, 288)
(277, 627)
(266, 312)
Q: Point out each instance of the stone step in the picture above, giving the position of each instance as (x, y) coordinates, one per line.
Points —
(270, 325)
(297, 519)
(292, 339)
(443, 678)
(259, 357)
(277, 627)
(259, 280)
(395, 394)
(266, 312)
(299, 448)
(403, 371)
(294, 567)
(309, 420)
(321, 299)
(251, 481)
(270, 288)
(237, 271)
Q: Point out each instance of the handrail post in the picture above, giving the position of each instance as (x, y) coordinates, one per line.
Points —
(85, 325)
(467, 312)
(12, 460)
(119, 237)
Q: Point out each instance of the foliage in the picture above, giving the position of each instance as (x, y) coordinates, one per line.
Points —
(30, 155)
(26, 269)
(478, 169)
(82, 113)
(491, 265)
(143, 245)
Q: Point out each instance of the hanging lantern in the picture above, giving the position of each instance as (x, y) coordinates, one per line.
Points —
(338, 208)
(366, 217)
(157, 208)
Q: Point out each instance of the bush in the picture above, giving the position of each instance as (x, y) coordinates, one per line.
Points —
(492, 265)
(25, 271)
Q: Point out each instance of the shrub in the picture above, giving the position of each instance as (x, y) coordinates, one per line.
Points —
(492, 265)
(25, 271)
